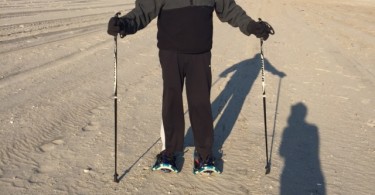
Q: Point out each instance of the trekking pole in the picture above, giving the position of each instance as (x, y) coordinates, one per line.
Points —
(268, 165)
(115, 176)
(264, 105)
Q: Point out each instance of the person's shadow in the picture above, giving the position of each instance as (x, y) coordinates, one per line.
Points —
(228, 104)
(302, 172)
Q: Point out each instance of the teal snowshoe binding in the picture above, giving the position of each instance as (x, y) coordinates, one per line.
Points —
(205, 167)
(165, 163)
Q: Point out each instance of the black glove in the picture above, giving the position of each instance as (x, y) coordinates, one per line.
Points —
(260, 29)
(114, 26)
(124, 26)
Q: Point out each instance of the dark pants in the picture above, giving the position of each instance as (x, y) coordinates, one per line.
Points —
(196, 70)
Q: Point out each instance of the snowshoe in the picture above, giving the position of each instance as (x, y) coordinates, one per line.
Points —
(165, 163)
(204, 167)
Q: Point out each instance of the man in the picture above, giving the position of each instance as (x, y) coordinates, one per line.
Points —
(185, 29)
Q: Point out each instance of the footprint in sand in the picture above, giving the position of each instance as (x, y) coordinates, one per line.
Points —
(46, 168)
(51, 145)
(371, 123)
(97, 110)
(366, 101)
(91, 126)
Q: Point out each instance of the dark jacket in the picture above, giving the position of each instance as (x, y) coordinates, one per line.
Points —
(185, 25)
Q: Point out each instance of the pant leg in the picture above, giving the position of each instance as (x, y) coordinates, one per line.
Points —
(162, 136)
(198, 87)
(172, 105)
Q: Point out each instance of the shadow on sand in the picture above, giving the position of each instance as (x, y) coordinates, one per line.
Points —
(228, 104)
(302, 172)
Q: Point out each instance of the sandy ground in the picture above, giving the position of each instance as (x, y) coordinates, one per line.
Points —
(56, 111)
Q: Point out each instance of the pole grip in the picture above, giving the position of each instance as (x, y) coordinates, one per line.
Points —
(271, 31)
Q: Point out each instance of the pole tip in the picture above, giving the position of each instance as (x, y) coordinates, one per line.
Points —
(268, 168)
(115, 178)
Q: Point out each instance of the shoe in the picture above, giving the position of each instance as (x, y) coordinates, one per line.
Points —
(165, 162)
(206, 166)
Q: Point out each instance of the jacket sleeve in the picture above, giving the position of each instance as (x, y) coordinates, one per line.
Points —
(229, 11)
(143, 13)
